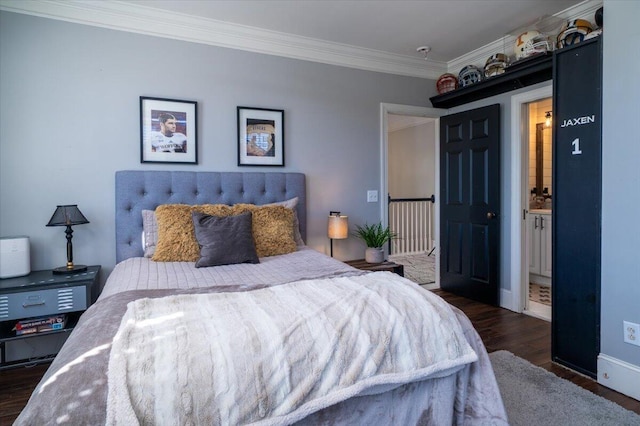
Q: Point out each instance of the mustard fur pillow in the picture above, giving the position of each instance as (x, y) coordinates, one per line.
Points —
(272, 228)
(176, 235)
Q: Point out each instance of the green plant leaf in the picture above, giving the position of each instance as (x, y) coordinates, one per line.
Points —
(374, 235)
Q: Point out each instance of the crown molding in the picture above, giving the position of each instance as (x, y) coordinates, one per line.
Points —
(160, 23)
(584, 10)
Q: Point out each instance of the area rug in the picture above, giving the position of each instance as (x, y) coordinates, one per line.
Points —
(419, 268)
(534, 396)
(540, 293)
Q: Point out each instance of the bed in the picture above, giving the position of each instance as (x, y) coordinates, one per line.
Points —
(296, 338)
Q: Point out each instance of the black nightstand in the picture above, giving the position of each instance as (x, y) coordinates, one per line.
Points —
(384, 266)
(41, 293)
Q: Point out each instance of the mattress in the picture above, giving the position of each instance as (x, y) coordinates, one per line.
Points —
(75, 388)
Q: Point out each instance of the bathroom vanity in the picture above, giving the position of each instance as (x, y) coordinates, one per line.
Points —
(540, 248)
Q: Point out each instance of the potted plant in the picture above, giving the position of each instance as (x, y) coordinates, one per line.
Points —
(374, 236)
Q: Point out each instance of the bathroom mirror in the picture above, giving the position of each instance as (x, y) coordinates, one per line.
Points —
(543, 160)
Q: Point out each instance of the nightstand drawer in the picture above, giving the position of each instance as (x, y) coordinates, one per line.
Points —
(42, 302)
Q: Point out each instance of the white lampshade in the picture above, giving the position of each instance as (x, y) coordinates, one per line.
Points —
(338, 228)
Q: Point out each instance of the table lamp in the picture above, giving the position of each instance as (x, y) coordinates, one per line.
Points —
(68, 216)
(338, 227)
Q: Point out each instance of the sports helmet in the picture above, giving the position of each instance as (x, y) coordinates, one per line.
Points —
(599, 17)
(573, 32)
(446, 83)
(598, 30)
(537, 44)
(530, 43)
(469, 75)
(495, 65)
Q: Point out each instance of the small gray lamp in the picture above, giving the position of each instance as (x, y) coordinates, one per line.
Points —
(68, 216)
(338, 227)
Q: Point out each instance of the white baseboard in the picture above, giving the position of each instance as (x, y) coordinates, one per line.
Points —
(619, 375)
(506, 300)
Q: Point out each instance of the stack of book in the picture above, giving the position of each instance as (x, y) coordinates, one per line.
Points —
(40, 324)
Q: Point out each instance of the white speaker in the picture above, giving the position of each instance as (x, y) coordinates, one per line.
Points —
(15, 260)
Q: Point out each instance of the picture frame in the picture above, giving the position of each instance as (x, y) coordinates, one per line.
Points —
(168, 131)
(260, 137)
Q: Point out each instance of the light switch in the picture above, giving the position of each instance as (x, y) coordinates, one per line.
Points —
(372, 196)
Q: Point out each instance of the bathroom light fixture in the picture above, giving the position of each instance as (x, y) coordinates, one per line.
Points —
(547, 121)
(337, 228)
(425, 50)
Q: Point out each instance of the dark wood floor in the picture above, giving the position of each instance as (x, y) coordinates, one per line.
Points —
(524, 336)
(528, 338)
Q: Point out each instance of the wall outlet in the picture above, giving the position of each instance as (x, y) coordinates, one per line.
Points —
(372, 196)
(631, 333)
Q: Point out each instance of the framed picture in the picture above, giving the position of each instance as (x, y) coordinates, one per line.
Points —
(260, 137)
(168, 131)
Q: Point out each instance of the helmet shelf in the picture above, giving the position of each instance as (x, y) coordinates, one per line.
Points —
(532, 70)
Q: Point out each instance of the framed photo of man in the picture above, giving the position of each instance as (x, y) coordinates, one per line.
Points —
(260, 137)
(168, 131)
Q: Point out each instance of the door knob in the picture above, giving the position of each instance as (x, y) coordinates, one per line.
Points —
(491, 215)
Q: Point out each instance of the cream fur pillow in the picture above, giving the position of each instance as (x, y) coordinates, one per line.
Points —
(272, 228)
(291, 204)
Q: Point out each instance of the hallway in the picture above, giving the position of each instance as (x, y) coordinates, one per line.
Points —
(418, 267)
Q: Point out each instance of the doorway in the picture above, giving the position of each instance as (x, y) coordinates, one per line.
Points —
(537, 160)
(400, 119)
(521, 216)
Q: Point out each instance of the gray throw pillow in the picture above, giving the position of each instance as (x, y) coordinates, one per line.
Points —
(224, 240)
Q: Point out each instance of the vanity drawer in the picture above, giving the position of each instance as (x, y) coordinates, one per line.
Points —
(42, 302)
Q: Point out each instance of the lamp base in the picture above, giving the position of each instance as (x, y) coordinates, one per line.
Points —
(65, 270)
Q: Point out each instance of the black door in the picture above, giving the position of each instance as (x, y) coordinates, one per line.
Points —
(470, 201)
(577, 200)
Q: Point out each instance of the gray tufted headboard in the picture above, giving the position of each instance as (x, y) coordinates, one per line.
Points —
(145, 190)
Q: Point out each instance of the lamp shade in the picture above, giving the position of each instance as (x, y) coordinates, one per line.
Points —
(338, 228)
(67, 215)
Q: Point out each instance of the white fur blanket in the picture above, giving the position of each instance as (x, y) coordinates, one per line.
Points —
(275, 355)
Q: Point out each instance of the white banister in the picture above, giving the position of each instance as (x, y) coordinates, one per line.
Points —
(411, 220)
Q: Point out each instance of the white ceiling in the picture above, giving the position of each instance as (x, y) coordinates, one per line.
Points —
(451, 27)
(379, 36)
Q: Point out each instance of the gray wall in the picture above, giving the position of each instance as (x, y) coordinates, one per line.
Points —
(620, 179)
(70, 118)
(411, 161)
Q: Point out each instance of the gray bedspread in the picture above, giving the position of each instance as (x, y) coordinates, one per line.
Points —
(74, 389)
(138, 273)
